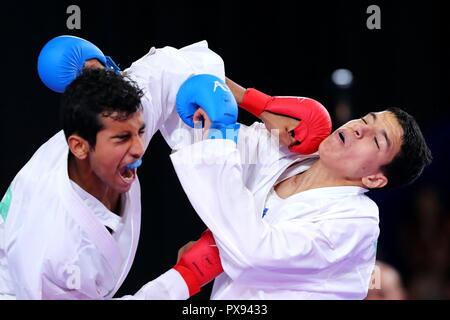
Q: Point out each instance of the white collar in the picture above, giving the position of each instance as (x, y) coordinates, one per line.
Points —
(105, 216)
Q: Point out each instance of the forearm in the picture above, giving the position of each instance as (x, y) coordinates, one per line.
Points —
(237, 91)
(214, 187)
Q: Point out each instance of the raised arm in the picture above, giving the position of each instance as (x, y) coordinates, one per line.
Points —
(160, 74)
(237, 91)
(314, 122)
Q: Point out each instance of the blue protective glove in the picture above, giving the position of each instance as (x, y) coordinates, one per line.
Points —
(62, 59)
(212, 95)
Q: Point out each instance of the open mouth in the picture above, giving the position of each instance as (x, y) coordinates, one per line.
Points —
(127, 174)
(342, 136)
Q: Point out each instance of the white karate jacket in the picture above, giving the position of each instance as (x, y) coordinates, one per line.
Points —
(317, 244)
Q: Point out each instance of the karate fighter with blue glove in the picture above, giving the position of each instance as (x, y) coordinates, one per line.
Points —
(69, 225)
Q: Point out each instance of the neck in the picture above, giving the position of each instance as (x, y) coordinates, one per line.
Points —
(319, 176)
(82, 174)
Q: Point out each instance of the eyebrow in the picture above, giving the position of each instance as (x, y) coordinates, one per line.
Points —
(374, 116)
(125, 134)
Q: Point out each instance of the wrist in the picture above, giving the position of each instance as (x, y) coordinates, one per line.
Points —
(255, 101)
(189, 278)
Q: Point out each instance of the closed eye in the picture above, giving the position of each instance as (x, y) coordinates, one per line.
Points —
(122, 137)
(375, 138)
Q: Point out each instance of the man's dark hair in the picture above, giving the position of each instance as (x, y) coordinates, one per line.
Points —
(414, 154)
(97, 93)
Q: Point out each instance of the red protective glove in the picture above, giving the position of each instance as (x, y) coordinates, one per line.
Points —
(315, 122)
(200, 264)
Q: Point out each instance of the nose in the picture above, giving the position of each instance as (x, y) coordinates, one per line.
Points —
(360, 131)
(137, 148)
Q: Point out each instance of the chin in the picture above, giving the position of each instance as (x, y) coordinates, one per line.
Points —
(322, 150)
(124, 189)
(120, 188)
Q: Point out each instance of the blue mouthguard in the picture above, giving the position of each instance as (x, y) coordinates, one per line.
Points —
(134, 164)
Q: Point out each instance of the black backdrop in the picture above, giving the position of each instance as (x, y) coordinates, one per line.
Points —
(280, 47)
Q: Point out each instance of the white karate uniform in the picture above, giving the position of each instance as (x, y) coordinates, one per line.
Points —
(53, 240)
(316, 244)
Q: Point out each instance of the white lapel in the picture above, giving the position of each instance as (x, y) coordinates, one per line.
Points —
(132, 229)
(79, 211)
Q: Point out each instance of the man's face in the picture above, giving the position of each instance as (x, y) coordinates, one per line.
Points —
(118, 144)
(360, 147)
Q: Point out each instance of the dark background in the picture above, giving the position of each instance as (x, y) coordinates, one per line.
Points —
(281, 48)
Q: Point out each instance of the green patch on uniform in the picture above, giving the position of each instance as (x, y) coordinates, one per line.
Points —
(5, 203)
(375, 244)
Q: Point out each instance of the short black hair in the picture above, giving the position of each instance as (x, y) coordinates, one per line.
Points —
(414, 154)
(97, 93)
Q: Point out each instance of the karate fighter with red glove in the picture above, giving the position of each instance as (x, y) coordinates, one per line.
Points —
(292, 227)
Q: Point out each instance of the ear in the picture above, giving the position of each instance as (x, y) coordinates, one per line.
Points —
(93, 64)
(374, 181)
(78, 146)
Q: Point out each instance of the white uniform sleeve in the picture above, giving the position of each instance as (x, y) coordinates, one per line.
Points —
(253, 252)
(160, 74)
(48, 285)
(168, 286)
